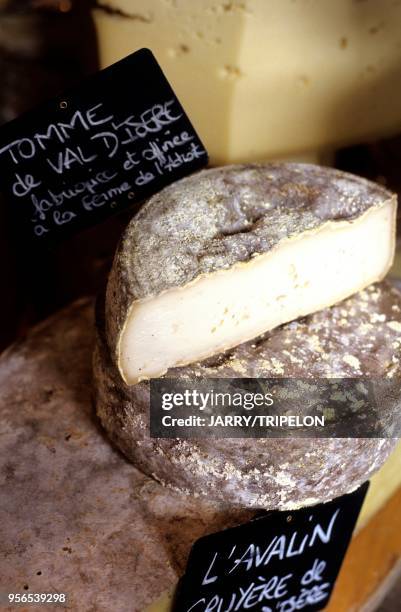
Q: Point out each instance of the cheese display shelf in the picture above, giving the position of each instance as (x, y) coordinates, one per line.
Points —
(76, 518)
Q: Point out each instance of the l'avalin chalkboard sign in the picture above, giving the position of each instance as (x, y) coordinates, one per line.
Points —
(119, 137)
(280, 562)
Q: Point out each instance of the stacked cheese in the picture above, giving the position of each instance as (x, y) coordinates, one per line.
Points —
(264, 79)
(229, 255)
(55, 462)
(114, 519)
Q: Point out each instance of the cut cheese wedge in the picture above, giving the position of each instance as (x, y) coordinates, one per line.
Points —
(228, 307)
(226, 255)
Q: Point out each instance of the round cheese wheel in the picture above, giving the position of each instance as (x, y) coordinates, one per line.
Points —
(360, 337)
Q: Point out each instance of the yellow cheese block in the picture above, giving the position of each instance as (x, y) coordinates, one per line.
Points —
(382, 486)
(395, 270)
(164, 604)
(266, 79)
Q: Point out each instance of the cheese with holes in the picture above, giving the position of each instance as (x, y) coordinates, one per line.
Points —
(225, 255)
(264, 79)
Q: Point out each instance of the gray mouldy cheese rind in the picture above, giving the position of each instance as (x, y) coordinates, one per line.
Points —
(360, 337)
(224, 255)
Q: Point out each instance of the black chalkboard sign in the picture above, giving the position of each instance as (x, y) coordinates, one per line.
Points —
(282, 561)
(119, 137)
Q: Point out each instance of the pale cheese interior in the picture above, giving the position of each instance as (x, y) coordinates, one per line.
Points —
(223, 309)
